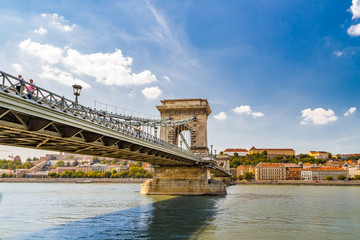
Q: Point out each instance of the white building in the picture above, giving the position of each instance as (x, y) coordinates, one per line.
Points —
(239, 151)
(306, 175)
(354, 171)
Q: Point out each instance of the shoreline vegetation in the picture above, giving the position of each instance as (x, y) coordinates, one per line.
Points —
(73, 180)
(141, 180)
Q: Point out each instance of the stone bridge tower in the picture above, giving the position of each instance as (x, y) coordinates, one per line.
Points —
(180, 109)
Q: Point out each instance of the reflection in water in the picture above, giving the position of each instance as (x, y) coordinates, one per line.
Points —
(176, 218)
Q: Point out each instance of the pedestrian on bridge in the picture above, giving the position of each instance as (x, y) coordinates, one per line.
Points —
(30, 89)
(18, 85)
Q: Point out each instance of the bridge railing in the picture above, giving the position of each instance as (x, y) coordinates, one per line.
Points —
(15, 86)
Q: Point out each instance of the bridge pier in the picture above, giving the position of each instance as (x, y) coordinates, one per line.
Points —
(182, 180)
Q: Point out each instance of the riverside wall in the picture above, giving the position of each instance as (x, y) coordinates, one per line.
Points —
(298, 182)
(73, 180)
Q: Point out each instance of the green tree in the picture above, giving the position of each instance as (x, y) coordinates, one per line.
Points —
(52, 174)
(107, 174)
(79, 174)
(330, 156)
(114, 171)
(28, 159)
(60, 164)
(235, 162)
(221, 153)
(341, 177)
(329, 178)
(96, 159)
(67, 174)
(248, 175)
(357, 177)
(75, 163)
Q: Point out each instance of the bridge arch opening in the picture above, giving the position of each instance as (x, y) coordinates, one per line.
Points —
(180, 109)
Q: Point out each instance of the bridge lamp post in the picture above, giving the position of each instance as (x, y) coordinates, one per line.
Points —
(77, 90)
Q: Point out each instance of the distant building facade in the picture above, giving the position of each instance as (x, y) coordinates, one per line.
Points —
(239, 151)
(293, 173)
(319, 154)
(320, 174)
(270, 171)
(241, 170)
(272, 152)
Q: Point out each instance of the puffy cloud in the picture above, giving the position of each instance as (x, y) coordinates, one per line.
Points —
(61, 76)
(246, 109)
(350, 111)
(151, 92)
(338, 53)
(221, 116)
(58, 21)
(107, 68)
(41, 30)
(354, 30)
(355, 9)
(317, 116)
(45, 52)
(17, 67)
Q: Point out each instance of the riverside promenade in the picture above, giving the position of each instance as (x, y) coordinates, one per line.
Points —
(73, 180)
(299, 182)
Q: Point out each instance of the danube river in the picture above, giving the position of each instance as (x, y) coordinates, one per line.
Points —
(118, 211)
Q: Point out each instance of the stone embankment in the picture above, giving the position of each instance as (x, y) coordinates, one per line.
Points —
(293, 182)
(73, 180)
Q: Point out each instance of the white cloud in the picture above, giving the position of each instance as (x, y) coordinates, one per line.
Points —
(354, 30)
(167, 79)
(61, 76)
(246, 109)
(257, 114)
(45, 52)
(107, 68)
(317, 116)
(41, 30)
(151, 92)
(221, 116)
(338, 53)
(355, 9)
(17, 67)
(58, 21)
(350, 111)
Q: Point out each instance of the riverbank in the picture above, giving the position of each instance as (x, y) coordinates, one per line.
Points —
(295, 182)
(73, 180)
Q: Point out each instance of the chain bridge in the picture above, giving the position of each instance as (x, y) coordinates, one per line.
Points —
(175, 144)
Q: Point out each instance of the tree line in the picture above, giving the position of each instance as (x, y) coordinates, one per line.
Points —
(133, 172)
(254, 159)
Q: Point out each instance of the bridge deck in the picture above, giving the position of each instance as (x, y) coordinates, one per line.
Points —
(44, 125)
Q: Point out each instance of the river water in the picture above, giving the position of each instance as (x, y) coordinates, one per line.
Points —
(118, 211)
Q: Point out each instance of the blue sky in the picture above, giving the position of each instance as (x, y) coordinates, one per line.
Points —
(279, 74)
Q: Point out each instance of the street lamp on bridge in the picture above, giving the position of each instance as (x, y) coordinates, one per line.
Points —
(77, 90)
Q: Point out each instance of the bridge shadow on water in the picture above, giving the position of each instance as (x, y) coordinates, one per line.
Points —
(176, 218)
